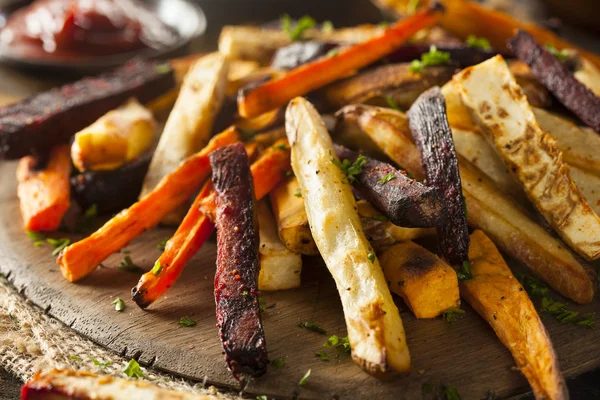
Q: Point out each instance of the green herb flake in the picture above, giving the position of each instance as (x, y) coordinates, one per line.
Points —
(465, 273)
(327, 27)
(340, 342)
(100, 364)
(560, 55)
(532, 285)
(412, 6)
(311, 326)
(39, 243)
(282, 146)
(351, 169)
(371, 257)
(119, 304)
(37, 236)
(431, 58)
(392, 103)
(427, 388)
(186, 322)
(75, 358)
(157, 269)
(451, 393)
(162, 244)
(59, 244)
(245, 293)
(133, 370)
(476, 42)
(303, 24)
(127, 265)
(304, 378)
(322, 355)
(278, 363)
(261, 304)
(298, 193)
(587, 320)
(163, 68)
(332, 53)
(387, 178)
(262, 397)
(452, 315)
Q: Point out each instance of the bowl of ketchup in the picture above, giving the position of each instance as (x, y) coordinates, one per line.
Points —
(86, 35)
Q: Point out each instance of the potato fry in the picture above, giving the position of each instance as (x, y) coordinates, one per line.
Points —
(374, 325)
(500, 299)
(427, 284)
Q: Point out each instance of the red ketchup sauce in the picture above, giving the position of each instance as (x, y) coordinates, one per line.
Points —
(83, 28)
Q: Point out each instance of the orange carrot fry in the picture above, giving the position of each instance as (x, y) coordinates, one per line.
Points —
(44, 193)
(196, 227)
(81, 258)
(299, 81)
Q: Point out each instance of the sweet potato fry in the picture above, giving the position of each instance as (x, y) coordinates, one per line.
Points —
(197, 225)
(299, 81)
(44, 190)
(492, 211)
(427, 284)
(81, 258)
(501, 300)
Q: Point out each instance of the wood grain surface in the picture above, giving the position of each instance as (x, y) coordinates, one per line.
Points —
(465, 354)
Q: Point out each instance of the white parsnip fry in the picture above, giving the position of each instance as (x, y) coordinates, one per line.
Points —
(501, 110)
(375, 329)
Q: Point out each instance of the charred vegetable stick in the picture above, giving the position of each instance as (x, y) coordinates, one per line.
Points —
(44, 190)
(500, 299)
(81, 258)
(375, 329)
(189, 125)
(116, 138)
(280, 268)
(558, 79)
(395, 83)
(531, 154)
(403, 200)
(197, 226)
(299, 81)
(381, 125)
(496, 214)
(238, 265)
(431, 132)
(70, 384)
(292, 221)
(36, 124)
(259, 44)
(427, 284)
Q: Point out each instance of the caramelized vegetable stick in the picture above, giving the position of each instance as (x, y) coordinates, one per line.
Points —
(196, 227)
(500, 299)
(44, 193)
(292, 222)
(280, 268)
(427, 284)
(313, 75)
(374, 326)
(492, 211)
(499, 106)
(238, 266)
(81, 258)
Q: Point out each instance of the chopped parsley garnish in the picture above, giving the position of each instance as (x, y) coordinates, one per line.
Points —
(164, 68)
(587, 320)
(119, 304)
(433, 57)
(465, 273)
(37, 236)
(327, 27)
(89, 218)
(162, 244)
(427, 388)
(371, 257)
(387, 178)
(261, 304)
(558, 310)
(59, 244)
(303, 24)
(262, 397)
(157, 269)
(412, 6)
(76, 358)
(282, 146)
(133, 369)
(341, 342)
(311, 326)
(532, 285)
(561, 55)
(186, 321)
(127, 265)
(392, 103)
(451, 315)
(278, 363)
(323, 355)
(451, 393)
(304, 378)
(298, 192)
(245, 293)
(332, 52)
(478, 42)
(100, 364)
(351, 169)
